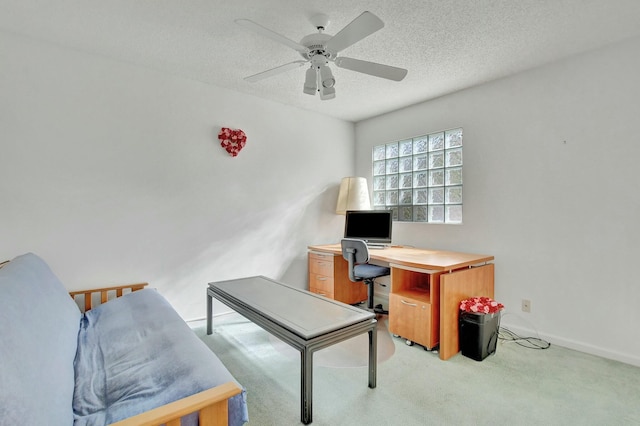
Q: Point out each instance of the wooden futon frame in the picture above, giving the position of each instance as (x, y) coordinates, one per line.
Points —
(211, 404)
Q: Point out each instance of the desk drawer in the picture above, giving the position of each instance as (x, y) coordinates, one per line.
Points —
(321, 284)
(328, 295)
(321, 264)
(411, 318)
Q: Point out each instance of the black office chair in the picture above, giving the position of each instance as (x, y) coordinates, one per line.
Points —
(356, 253)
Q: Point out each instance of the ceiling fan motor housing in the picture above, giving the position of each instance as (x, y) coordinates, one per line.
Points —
(316, 43)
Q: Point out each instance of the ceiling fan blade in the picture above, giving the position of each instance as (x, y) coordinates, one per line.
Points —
(371, 68)
(364, 25)
(271, 34)
(274, 71)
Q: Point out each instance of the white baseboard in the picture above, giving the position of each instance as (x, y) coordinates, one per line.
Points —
(575, 345)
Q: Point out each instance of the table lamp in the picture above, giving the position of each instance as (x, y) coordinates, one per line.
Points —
(353, 195)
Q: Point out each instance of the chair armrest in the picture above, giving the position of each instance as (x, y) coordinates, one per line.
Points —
(104, 293)
(211, 404)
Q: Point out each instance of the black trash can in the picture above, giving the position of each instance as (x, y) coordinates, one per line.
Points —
(478, 334)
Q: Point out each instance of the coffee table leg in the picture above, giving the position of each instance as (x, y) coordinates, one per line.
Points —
(209, 313)
(373, 357)
(306, 385)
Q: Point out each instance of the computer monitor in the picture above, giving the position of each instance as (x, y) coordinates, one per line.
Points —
(373, 226)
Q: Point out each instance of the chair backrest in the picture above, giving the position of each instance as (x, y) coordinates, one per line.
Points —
(355, 252)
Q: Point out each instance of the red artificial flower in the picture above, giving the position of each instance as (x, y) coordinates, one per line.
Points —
(481, 305)
(232, 140)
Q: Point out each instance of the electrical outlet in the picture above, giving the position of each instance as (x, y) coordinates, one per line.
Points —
(526, 305)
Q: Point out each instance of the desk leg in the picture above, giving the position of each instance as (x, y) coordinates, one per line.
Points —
(209, 313)
(373, 357)
(306, 385)
(454, 288)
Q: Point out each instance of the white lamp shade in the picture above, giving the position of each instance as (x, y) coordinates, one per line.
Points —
(353, 195)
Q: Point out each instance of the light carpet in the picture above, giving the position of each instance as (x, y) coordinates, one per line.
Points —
(516, 386)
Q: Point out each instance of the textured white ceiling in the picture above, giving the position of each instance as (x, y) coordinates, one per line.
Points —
(446, 45)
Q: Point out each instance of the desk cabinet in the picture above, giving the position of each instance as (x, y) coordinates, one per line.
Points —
(413, 306)
(329, 277)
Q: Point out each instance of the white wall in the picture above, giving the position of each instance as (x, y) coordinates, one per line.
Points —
(551, 188)
(113, 174)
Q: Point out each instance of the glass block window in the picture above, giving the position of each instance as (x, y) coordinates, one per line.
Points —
(420, 179)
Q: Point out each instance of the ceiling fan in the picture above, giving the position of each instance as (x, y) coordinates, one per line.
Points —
(318, 49)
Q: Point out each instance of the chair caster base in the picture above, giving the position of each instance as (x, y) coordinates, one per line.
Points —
(378, 310)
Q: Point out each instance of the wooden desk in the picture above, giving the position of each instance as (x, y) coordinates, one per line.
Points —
(436, 280)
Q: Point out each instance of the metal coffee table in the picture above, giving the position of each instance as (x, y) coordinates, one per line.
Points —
(302, 319)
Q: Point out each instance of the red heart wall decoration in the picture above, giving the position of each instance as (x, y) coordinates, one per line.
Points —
(233, 140)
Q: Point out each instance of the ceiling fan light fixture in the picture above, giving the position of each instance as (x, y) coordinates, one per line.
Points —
(327, 93)
(326, 77)
(310, 82)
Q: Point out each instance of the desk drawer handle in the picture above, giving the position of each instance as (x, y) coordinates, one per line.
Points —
(321, 278)
(407, 303)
